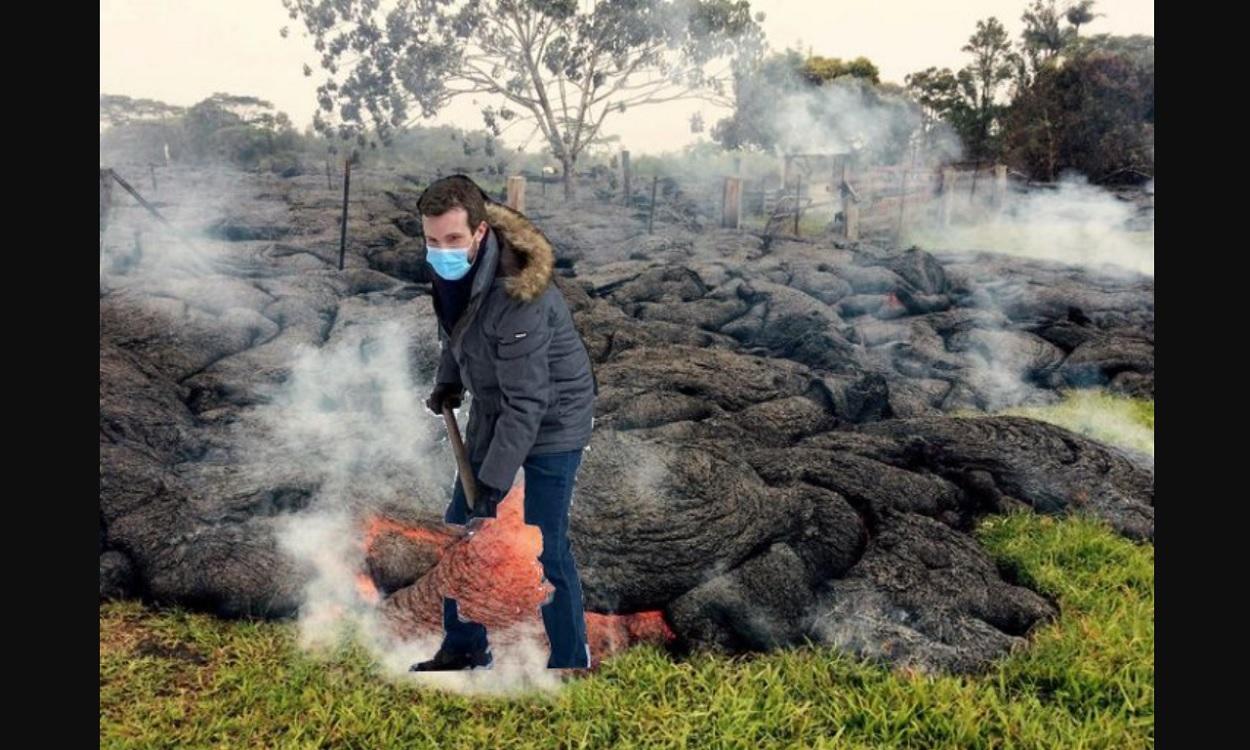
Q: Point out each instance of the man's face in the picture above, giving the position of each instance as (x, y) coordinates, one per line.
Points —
(451, 229)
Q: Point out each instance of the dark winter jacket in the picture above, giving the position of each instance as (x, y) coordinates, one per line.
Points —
(516, 351)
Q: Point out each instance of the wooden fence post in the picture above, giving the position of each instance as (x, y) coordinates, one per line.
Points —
(106, 199)
(902, 205)
(1000, 186)
(850, 205)
(516, 193)
(651, 213)
(731, 202)
(798, 188)
(347, 183)
(948, 196)
(852, 220)
(625, 174)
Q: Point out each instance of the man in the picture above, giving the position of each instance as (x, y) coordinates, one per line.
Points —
(508, 338)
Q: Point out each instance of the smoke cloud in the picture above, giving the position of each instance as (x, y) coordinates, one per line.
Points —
(352, 418)
(1077, 223)
(344, 413)
(844, 116)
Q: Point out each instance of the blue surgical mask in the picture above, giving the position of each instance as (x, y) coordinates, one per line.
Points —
(450, 263)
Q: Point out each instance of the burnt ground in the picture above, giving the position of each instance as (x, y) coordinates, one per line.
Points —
(775, 456)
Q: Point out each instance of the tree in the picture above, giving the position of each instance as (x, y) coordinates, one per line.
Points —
(203, 120)
(553, 65)
(819, 69)
(1042, 33)
(122, 110)
(936, 91)
(991, 66)
(1044, 38)
(1093, 114)
(1080, 14)
(787, 98)
(140, 129)
(242, 129)
(1139, 48)
(947, 107)
(759, 85)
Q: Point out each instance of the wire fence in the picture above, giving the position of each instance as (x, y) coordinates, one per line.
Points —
(810, 196)
(843, 200)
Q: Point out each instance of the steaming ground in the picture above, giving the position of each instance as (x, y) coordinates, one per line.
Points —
(1114, 420)
(1076, 224)
(774, 457)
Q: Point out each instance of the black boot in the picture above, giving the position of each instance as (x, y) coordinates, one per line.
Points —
(446, 660)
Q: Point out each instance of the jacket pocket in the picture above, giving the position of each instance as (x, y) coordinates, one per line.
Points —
(555, 409)
(520, 343)
(522, 332)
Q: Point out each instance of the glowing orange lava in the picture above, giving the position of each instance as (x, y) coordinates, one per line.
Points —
(491, 569)
(367, 589)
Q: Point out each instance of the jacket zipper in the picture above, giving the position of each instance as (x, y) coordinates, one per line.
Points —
(470, 312)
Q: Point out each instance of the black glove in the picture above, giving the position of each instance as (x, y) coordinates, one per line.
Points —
(487, 502)
(444, 394)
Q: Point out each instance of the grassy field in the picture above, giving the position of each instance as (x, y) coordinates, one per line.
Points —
(814, 224)
(171, 678)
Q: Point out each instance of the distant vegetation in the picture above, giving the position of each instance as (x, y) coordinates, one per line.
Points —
(1050, 102)
(1053, 101)
(241, 130)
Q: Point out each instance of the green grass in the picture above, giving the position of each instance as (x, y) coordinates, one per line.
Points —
(811, 225)
(172, 678)
(1106, 417)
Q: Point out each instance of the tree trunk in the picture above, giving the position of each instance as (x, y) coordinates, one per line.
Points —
(569, 188)
(1050, 147)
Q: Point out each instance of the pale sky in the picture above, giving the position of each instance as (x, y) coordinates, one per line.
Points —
(182, 51)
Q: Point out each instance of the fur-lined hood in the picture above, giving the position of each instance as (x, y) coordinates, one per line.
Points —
(527, 259)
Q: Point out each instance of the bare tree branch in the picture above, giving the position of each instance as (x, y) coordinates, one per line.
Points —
(424, 53)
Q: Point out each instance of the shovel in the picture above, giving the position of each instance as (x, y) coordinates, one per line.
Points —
(467, 480)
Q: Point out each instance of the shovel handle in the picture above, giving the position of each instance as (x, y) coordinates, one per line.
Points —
(467, 479)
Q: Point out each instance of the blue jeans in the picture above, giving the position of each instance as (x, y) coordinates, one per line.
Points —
(549, 483)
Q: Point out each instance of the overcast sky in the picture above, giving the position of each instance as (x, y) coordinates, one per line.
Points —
(182, 51)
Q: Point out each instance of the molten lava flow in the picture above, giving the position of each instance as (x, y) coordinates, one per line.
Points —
(377, 526)
(366, 588)
(495, 576)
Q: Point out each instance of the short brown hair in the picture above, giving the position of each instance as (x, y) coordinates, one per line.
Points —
(453, 191)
